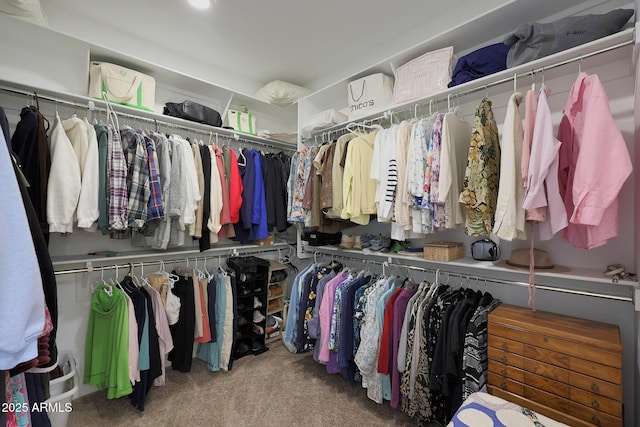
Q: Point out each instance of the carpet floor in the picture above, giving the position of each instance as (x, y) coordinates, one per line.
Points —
(276, 388)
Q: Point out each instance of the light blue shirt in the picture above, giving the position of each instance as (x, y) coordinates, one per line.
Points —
(382, 303)
(210, 352)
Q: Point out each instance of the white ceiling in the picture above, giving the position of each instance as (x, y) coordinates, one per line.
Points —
(243, 44)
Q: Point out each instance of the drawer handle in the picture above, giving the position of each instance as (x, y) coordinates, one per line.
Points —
(595, 404)
(505, 347)
(504, 359)
(503, 385)
(595, 388)
(595, 420)
(545, 339)
(504, 372)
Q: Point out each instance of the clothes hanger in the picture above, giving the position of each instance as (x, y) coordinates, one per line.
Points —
(102, 285)
(220, 268)
(143, 278)
(133, 277)
(242, 160)
(353, 127)
(533, 82)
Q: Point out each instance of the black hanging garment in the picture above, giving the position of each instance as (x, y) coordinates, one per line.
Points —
(205, 241)
(182, 332)
(29, 143)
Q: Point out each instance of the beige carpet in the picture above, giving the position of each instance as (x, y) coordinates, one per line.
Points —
(276, 388)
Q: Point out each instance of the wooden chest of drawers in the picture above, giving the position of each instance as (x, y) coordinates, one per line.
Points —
(567, 368)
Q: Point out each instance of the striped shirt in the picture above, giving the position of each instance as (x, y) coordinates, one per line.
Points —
(475, 359)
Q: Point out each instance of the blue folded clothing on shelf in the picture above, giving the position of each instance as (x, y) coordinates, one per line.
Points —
(479, 63)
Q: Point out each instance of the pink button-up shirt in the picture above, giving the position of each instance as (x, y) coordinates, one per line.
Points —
(594, 163)
(543, 189)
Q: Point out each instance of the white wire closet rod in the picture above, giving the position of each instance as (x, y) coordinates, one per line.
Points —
(168, 121)
(447, 94)
(210, 256)
(477, 278)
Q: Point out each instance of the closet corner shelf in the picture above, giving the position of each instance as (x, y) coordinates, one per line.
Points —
(575, 279)
(142, 255)
(604, 44)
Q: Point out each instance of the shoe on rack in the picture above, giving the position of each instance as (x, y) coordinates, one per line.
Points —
(365, 241)
(278, 276)
(257, 303)
(242, 321)
(257, 329)
(347, 241)
(257, 316)
(273, 321)
(243, 291)
(357, 242)
(275, 290)
(375, 243)
(275, 305)
(257, 346)
(242, 349)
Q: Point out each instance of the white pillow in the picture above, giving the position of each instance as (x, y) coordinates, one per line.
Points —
(29, 10)
(281, 93)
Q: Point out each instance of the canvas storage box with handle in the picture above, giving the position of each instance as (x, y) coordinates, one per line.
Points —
(122, 85)
(423, 76)
(241, 120)
(369, 94)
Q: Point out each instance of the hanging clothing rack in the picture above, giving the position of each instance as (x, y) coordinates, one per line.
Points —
(448, 93)
(479, 278)
(226, 253)
(90, 105)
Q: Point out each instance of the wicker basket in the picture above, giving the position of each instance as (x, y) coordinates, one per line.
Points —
(441, 250)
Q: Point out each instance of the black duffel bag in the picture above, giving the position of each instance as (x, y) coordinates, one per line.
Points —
(193, 111)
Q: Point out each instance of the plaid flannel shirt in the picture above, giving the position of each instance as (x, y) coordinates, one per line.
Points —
(155, 207)
(138, 177)
(118, 193)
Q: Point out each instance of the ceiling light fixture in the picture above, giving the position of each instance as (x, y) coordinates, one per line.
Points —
(200, 4)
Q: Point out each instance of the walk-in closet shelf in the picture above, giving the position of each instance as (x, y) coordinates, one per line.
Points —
(64, 264)
(519, 76)
(577, 281)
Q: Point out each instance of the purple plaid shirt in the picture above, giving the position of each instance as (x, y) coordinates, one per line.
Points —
(118, 194)
(155, 207)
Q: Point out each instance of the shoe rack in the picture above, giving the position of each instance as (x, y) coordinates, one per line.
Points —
(275, 300)
(251, 305)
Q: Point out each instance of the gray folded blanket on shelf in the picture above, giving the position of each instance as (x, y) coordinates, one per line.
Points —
(532, 41)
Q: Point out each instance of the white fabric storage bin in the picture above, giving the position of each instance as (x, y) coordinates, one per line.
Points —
(423, 76)
(62, 390)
